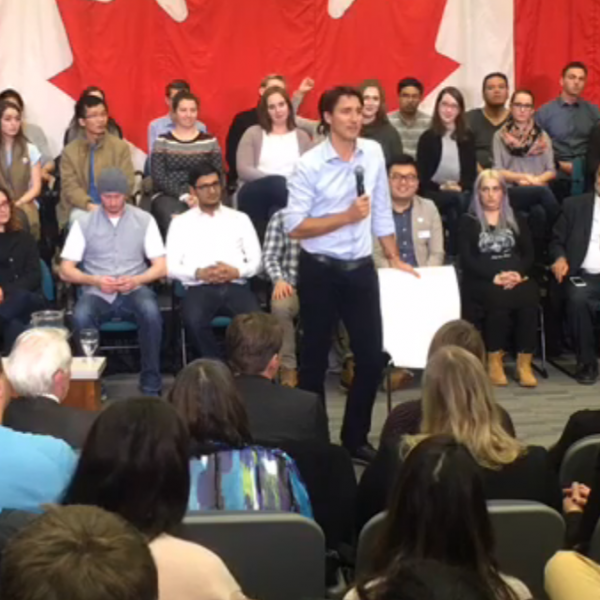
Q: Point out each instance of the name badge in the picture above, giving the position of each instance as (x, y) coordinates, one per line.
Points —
(424, 235)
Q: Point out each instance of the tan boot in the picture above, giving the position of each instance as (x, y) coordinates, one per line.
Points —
(496, 368)
(347, 376)
(525, 372)
(288, 377)
(398, 379)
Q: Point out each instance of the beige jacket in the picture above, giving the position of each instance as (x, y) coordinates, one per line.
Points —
(428, 236)
(75, 171)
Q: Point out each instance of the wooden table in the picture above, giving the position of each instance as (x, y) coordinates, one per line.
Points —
(84, 391)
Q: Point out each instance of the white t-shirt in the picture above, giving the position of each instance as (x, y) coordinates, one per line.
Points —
(34, 155)
(75, 244)
(279, 153)
(591, 262)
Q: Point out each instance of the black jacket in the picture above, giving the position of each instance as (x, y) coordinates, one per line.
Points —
(572, 231)
(242, 121)
(277, 413)
(429, 154)
(45, 416)
(19, 262)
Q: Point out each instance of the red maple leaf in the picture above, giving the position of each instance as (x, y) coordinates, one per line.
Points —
(132, 48)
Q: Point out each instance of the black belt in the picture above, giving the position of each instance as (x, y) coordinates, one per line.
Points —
(337, 263)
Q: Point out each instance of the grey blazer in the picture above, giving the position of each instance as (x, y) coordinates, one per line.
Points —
(428, 236)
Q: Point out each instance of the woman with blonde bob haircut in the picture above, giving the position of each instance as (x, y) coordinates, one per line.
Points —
(458, 401)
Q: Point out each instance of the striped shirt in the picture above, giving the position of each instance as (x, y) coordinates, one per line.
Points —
(410, 132)
(173, 160)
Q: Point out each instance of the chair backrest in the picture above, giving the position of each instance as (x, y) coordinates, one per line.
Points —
(579, 461)
(527, 534)
(271, 555)
(47, 282)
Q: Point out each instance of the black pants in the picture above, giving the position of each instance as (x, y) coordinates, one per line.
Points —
(15, 314)
(202, 303)
(163, 208)
(325, 292)
(499, 305)
(451, 206)
(583, 304)
(540, 208)
(261, 198)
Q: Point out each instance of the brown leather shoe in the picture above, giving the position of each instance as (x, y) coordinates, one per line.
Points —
(495, 368)
(288, 377)
(525, 372)
(398, 378)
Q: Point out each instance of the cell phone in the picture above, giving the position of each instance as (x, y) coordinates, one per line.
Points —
(578, 281)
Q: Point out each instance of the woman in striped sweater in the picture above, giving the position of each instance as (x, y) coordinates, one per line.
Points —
(175, 155)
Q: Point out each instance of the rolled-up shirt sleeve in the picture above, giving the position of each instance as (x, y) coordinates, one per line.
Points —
(301, 196)
(382, 222)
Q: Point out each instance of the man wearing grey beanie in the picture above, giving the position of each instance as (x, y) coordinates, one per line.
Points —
(107, 253)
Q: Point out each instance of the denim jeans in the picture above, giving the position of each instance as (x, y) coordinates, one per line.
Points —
(202, 303)
(140, 307)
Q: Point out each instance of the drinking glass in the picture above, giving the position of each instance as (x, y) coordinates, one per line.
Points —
(90, 339)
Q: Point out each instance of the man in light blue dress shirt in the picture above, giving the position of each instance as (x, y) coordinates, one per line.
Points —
(336, 274)
(165, 124)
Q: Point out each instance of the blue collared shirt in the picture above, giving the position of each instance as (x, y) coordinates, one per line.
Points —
(165, 125)
(323, 184)
(404, 236)
(569, 126)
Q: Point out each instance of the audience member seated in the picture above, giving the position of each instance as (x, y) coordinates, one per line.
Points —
(523, 155)
(275, 412)
(20, 167)
(458, 400)
(376, 125)
(405, 418)
(419, 232)
(575, 252)
(581, 424)
(135, 463)
(34, 469)
(280, 264)
(20, 274)
(34, 133)
(569, 121)
(446, 161)
(39, 371)
(76, 129)
(229, 472)
(213, 250)
(496, 254)
(266, 157)
(107, 253)
(247, 118)
(86, 157)
(80, 553)
(485, 122)
(437, 510)
(166, 124)
(571, 576)
(426, 580)
(175, 155)
(408, 119)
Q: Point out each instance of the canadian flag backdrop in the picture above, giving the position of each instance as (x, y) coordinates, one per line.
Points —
(51, 49)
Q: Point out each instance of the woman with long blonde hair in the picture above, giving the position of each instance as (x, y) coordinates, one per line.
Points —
(458, 400)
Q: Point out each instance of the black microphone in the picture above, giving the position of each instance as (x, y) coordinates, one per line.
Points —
(359, 173)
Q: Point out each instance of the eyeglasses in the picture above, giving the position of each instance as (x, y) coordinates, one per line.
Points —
(407, 178)
(208, 186)
(520, 106)
(102, 115)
